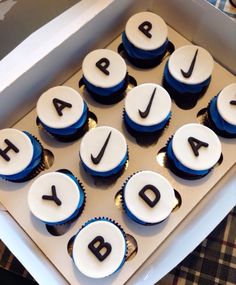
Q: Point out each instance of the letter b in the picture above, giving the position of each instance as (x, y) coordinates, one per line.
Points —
(98, 245)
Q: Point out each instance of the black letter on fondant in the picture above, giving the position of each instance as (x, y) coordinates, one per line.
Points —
(196, 144)
(10, 146)
(143, 195)
(98, 158)
(96, 250)
(54, 197)
(144, 114)
(145, 28)
(103, 64)
(60, 105)
(190, 70)
(233, 102)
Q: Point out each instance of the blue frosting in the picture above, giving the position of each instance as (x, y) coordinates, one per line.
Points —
(79, 207)
(107, 173)
(72, 129)
(36, 159)
(104, 91)
(220, 123)
(182, 87)
(107, 220)
(133, 217)
(147, 129)
(143, 54)
(180, 166)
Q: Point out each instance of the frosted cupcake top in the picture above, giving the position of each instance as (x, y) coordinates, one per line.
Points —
(16, 151)
(191, 64)
(146, 31)
(104, 68)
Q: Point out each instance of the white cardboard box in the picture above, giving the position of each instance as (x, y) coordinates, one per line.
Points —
(59, 54)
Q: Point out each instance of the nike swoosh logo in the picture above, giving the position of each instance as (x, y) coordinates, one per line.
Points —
(144, 114)
(190, 71)
(98, 158)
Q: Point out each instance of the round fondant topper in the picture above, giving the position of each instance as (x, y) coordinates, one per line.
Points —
(103, 149)
(99, 249)
(191, 64)
(196, 147)
(53, 197)
(60, 107)
(16, 151)
(104, 68)
(148, 104)
(149, 197)
(146, 31)
(226, 104)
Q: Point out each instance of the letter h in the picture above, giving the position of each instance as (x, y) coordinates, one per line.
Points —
(10, 146)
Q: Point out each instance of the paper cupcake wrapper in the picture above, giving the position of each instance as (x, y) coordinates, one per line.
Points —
(184, 101)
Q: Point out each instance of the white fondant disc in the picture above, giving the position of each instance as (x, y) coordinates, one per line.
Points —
(138, 99)
(208, 156)
(158, 31)
(182, 57)
(93, 142)
(138, 207)
(117, 68)
(226, 110)
(18, 161)
(48, 211)
(48, 114)
(86, 261)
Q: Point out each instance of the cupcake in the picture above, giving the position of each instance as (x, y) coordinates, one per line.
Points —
(103, 151)
(148, 198)
(56, 198)
(63, 113)
(193, 151)
(105, 75)
(187, 75)
(222, 112)
(145, 40)
(147, 109)
(99, 248)
(21, 155)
